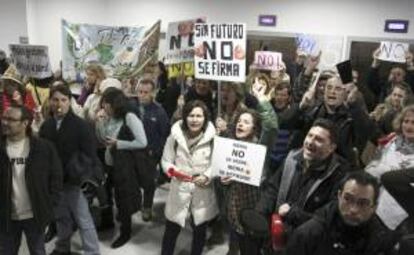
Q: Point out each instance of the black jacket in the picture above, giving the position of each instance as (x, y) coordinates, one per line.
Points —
(43, 179)
(74, 136)
(305, 194)
(126, 174)
(327, 234)
(353, 125)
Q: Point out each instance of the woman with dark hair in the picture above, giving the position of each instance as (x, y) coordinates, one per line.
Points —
(123, 134)
(255, 127)
(187, 158)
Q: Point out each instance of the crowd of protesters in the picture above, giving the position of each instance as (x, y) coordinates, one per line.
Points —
(329, 145)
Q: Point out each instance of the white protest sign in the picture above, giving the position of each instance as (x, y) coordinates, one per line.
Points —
(389, 210)
(220, 51)
(393, 51)
(180, 41)
(242, 161)
(267, 60)
(31, 60)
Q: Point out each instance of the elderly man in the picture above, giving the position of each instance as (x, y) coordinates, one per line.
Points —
(340, 105)
(346, 226)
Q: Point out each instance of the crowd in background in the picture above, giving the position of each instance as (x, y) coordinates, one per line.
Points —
(329, 145)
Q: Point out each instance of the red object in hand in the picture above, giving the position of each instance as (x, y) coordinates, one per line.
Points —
(177, 174)
(277, 232)
(386, 139)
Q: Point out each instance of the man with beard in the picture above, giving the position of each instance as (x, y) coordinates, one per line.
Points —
(346, 226)
(30, 183)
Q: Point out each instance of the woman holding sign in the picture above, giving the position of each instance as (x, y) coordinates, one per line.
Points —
(256, 127)
(187, 160)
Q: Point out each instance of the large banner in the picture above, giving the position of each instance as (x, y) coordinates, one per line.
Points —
(180, 41)
(220, 51)
(242, 161)
(123, 51)
(31, 60)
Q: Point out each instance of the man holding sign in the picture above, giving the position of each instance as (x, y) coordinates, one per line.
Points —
(399, 74)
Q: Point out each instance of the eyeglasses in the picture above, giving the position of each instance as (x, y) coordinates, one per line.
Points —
(9, 119)
(360, 203)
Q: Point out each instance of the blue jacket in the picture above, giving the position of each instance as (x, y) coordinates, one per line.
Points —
(156, 125)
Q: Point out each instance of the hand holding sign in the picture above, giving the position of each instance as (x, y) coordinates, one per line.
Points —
(352, 90)
(313, 62)
(259, 91)
(375, 56)
(409, 60)
(309, 97)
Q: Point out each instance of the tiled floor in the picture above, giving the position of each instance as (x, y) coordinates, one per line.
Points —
(146, 238)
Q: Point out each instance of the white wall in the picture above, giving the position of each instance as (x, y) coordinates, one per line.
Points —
(333, 17)
(13, 22)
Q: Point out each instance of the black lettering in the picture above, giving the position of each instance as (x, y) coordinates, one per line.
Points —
(175, 42)
(211, 49)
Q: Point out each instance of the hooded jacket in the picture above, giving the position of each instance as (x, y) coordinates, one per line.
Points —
(186, 197)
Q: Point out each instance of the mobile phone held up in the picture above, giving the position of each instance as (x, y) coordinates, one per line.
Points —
(345, 71)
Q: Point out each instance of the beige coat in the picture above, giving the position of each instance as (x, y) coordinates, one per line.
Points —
(185, 197)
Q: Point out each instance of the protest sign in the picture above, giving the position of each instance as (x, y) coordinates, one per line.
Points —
(242, 161)
(393, 51)
(122, 51)
(180, 41)
(330, 46)
(220, 51)
(267, 60)
(175, 70)
(306, 43)
(31, 60)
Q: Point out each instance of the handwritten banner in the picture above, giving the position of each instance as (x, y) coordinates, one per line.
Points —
(31, 60)
(242, 161)
(220, 51)
(122, 51)
(180, 41)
